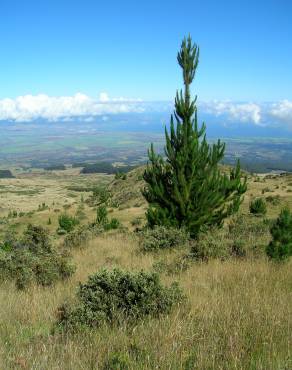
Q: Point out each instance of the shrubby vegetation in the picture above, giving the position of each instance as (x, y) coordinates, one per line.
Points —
(280, 247)
(113, 296)
(33, 259)
(258, 207)
(161, 237)
(244, 237)
(209, 245)
(103, 220)
(100, 195)
(67, 222)
(120, 176)
(78, 238)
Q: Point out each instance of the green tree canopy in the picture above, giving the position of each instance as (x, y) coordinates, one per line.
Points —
(186, 188)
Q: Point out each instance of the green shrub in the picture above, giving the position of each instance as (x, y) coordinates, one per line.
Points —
(161, 237)
(258, 207)
(103, 221)
(209, 245)
(33, 259)
(113, 296)
(280, 247)
(80, 214)
(100, 195)
(112, 224)
(67, 222)
(120, 176)
(78, 237)
(101, 215)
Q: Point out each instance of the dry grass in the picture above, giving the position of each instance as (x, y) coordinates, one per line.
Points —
(238, 315)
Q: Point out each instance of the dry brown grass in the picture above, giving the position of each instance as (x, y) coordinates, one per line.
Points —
(238, 315)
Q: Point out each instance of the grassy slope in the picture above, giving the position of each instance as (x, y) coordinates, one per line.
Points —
(238, 313)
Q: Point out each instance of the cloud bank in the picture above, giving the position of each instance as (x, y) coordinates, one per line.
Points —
(29, 108)
(242, 112)
(260, 114)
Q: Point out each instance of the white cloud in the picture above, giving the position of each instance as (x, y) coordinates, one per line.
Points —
(103, 97)
(282, 111)
(66, 108)
(29, 107)
(242, 112)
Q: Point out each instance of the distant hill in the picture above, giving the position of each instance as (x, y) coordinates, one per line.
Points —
(128, 192)
(6, 174)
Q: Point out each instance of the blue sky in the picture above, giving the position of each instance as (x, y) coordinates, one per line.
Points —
(86, 58)
(128, 48)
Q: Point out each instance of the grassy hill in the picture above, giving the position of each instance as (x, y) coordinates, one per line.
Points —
(237, 312)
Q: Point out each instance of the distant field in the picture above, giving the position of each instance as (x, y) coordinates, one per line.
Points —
(44, 145)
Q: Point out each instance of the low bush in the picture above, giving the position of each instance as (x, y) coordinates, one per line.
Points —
(280, 247)
(258, 207)
(245, 236)
(212, 244)
(77, 238)
(67, 222)
(120, 176)
(100, 196)
(112, 224)
(161, 237)
(103, 221)
(80, 214)
(33, 259)
(101, 215)
(116, 295)
(248, 235)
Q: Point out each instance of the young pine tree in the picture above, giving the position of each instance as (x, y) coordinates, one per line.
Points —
(280, 247)
(187, 188)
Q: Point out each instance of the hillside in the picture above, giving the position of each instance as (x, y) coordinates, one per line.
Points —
(237, 308)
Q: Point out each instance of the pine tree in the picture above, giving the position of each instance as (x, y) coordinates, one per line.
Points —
(280, 246)
(187, 189)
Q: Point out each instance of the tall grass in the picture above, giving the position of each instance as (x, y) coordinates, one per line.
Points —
(238, 315)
